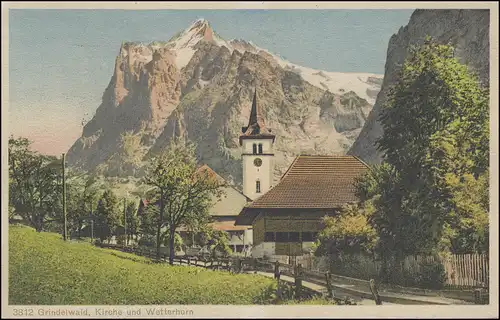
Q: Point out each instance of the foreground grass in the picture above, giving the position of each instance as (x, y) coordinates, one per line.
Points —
(45, 270)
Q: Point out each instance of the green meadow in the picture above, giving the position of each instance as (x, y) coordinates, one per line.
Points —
(45, 270)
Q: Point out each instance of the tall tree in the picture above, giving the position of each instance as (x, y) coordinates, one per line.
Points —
(184, 193)
(82, 196)
(132, 220)
(107, 216)
(436, 134)
(34, 190)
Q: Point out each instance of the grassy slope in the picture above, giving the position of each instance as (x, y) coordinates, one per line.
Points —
(45, 270)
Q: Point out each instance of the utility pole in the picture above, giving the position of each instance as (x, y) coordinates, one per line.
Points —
(65, 236)
(125, 218)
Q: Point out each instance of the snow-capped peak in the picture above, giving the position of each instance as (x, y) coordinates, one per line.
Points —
(335, 82)
(183, 44)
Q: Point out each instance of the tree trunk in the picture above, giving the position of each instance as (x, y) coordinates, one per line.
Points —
(39, 223)
(158, 231)
(171, 245)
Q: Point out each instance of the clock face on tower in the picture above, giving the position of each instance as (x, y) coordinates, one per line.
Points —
(257, 162)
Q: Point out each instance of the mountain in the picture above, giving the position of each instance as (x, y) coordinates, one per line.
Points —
(466, 30)
(200, 86)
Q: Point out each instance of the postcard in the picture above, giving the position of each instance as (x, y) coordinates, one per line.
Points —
(249, 159)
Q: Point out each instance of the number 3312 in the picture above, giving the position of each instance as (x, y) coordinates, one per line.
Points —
(23, 312)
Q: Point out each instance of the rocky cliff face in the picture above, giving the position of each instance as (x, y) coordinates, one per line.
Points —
(466, 30)
(200, 86)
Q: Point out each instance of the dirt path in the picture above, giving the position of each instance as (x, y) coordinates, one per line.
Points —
(363, 296)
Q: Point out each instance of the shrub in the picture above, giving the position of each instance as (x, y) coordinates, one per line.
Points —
(431, 276)
(147, 241)
(267, 296)
(120, 239)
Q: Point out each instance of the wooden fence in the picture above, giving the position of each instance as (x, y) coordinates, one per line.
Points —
(239, 264)
(296, 271)
(462, 270)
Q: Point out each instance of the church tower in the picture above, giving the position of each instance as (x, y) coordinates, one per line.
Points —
(257, 154)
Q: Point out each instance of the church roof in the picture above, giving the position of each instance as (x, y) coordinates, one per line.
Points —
(256, 125)
(211, 174)
(311, 182)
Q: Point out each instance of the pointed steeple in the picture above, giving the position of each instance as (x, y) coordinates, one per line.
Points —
(256, 119)
(256, 125)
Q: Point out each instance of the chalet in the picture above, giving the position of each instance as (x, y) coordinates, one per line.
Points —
(223, 213)
(286, 218)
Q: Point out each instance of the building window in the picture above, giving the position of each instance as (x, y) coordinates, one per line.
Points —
(260, 148)
(281, 236)
(257, 186)
(307, 237)
(269, 237)
(314, 236)
(294, 237)
(254, 148)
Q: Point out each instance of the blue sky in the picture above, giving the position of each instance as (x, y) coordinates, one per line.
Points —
(60, 61)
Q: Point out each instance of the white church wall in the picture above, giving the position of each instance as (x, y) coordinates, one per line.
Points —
(252, 173)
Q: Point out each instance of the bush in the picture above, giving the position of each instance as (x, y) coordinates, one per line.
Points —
(147, 241)
(431, 276)
(120, 239)
(267, 296)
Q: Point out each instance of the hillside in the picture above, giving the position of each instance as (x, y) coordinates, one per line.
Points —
(44, 270)
(466, 30)
(200, 86)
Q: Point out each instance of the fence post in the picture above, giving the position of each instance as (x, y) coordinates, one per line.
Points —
(189, 261)
(374, 290)
(329, 287)
(298, 280)
(237, 269)
(279, 294)
(478, 296)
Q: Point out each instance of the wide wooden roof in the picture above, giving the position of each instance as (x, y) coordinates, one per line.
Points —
(311, 182)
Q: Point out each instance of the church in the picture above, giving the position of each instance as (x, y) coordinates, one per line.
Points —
(280, 220)
(286, 218)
